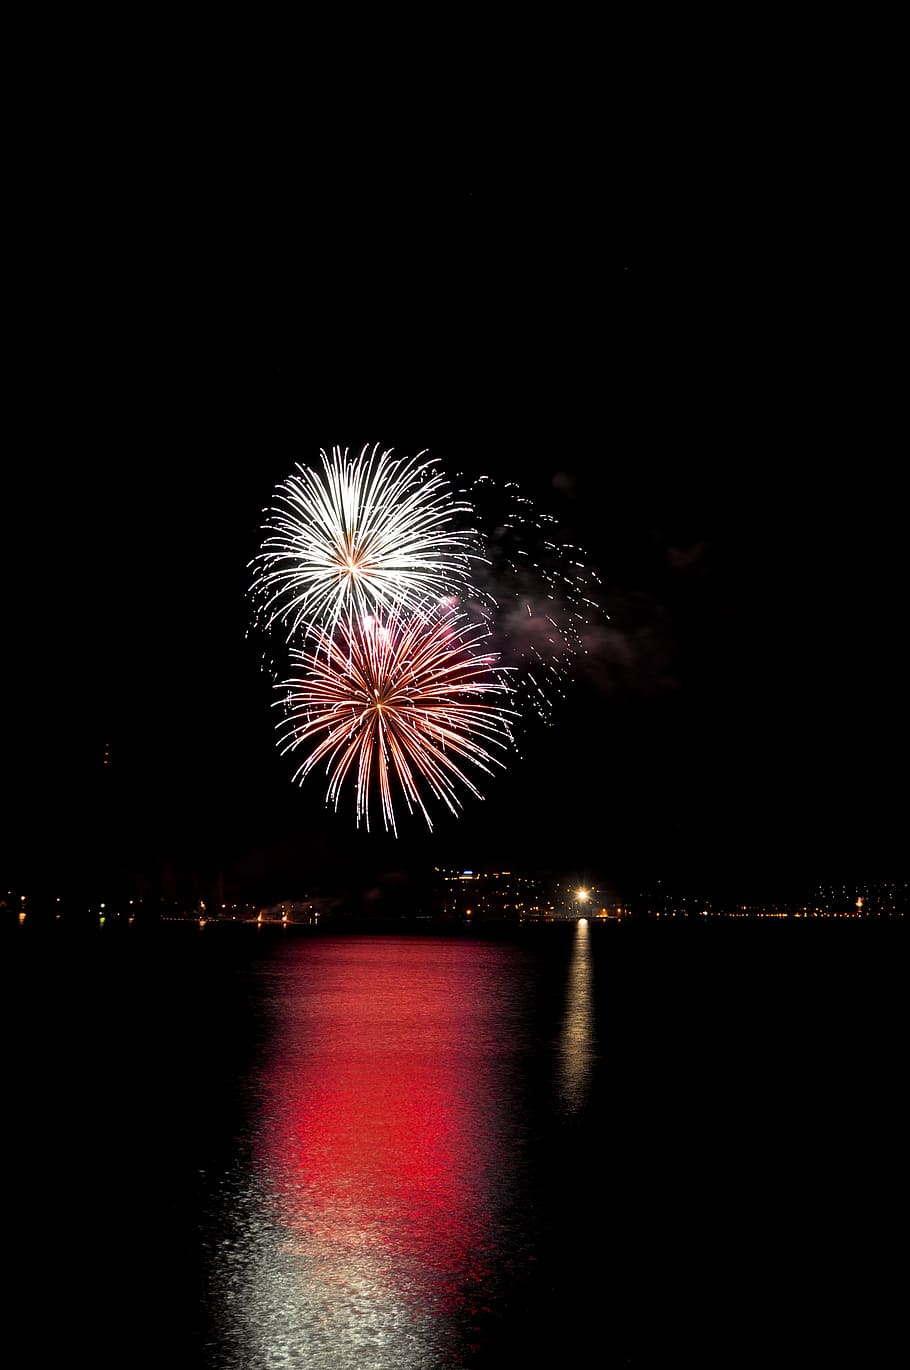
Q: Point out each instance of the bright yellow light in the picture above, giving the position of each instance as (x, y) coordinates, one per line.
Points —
(582, 895)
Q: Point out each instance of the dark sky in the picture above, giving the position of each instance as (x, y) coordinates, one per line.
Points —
(684, 350)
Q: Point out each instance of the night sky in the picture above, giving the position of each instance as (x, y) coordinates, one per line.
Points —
(686, 358)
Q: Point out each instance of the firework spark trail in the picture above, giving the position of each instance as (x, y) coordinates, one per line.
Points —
(534, 592)
(404, 697)
(359, 536)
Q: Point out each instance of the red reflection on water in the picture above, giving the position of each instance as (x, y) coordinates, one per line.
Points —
(382, 1140)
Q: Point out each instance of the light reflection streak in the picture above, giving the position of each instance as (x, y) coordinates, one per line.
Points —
(576, 1048)
(382, 1169)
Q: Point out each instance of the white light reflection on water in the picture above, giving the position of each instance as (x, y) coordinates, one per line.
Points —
(378, 1196)
(576, 1048)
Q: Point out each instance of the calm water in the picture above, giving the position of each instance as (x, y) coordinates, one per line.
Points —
(241, 1148)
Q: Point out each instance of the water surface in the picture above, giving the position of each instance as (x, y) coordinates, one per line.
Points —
(239, 1149)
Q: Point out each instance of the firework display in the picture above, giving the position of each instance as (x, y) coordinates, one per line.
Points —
(403, 696)
(357, 536)
(420, 627)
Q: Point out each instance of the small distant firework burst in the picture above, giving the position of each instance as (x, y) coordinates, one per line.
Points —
(536, 591)
(397, 702)
(358, 536)
(386, 588)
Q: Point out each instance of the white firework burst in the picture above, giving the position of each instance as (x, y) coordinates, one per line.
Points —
(358, 536)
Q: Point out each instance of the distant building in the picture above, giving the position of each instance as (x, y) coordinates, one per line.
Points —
(486, 896)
